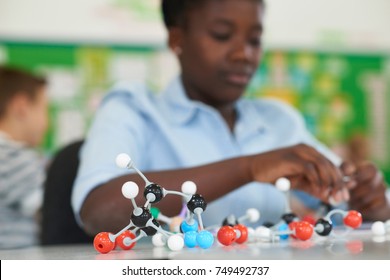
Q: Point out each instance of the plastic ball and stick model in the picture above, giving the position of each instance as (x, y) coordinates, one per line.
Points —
(193, 231)
(351, 219)
(143, 221)
(303, 230)
(289, 224)
(233, 229)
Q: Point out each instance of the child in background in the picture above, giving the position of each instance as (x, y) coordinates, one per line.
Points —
(201, 129)
(23, 123)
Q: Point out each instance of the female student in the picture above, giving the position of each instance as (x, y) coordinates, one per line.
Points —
(201, 129)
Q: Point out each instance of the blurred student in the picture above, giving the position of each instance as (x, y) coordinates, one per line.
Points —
(201, 129)
(23, 123)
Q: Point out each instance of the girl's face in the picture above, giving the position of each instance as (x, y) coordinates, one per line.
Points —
(221, 49)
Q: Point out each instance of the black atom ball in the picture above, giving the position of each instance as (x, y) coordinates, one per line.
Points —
(197, 201)
(268, 224)
(155, 189)
(141, 220)
(288, 217)
(230, 221)
(150, 231)
(325, 229)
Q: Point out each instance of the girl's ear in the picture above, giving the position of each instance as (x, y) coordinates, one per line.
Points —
(175, 38)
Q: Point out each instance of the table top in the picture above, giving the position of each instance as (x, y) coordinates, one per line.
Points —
(354, 245)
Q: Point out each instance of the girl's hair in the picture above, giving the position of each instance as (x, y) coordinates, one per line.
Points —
(175, 11)
(15, 81)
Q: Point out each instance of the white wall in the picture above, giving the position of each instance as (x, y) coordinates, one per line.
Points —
(345, 24)
(349, 24)
(77, 20)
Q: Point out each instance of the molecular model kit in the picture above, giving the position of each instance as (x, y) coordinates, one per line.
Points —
(290, 225)
(187, 229)
(142, 220)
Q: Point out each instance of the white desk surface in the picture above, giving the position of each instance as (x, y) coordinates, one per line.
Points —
(356, 245)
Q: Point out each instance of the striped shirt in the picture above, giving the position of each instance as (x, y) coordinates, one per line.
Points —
(21, 192)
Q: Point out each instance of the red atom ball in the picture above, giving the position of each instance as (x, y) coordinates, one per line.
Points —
(122, 240)
(292, 226)
(102, 243)
(244, 233)
(310, 219)
(353, 219)
(303, 230)
(226, 235)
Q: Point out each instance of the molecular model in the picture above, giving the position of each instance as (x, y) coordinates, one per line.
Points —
(290, 225)
(194, 232)
(175, 222)
(351, 219)
(234, 230)
(142, 220)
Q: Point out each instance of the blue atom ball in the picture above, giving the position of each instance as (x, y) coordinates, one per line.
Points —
(185, 227)
(205, 239)
(283, 227)
(190, 239)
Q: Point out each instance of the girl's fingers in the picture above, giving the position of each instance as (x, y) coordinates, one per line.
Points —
(329, 175)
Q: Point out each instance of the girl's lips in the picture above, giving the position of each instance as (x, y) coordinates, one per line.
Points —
(239, 79)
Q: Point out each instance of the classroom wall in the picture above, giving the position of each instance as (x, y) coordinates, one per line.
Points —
(347, 24)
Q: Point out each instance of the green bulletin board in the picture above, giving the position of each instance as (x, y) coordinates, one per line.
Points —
(79, 76)
(343, 97)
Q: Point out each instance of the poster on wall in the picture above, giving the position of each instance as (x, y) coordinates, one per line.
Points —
(343, 98)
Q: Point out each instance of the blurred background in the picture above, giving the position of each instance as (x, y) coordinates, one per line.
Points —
(328, 58)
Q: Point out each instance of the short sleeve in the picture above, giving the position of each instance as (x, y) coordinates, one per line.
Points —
(118, 127)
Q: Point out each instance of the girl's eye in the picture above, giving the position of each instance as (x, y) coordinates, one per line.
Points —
(256, 42)
(220, 36)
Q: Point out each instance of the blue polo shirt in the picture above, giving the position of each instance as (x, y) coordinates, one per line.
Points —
(169, 131)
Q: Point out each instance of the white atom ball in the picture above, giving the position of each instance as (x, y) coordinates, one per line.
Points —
(188, 187)
(130, 190)
(378, 228)
(175, 242)
(253, 214)
(123, 160)
(283, 184)
(263, 232)
(158, 240)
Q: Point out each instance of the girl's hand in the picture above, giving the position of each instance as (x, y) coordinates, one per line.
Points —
(307, 169)
(367, 191)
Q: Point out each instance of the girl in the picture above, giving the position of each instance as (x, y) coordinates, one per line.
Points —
(200, 129)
